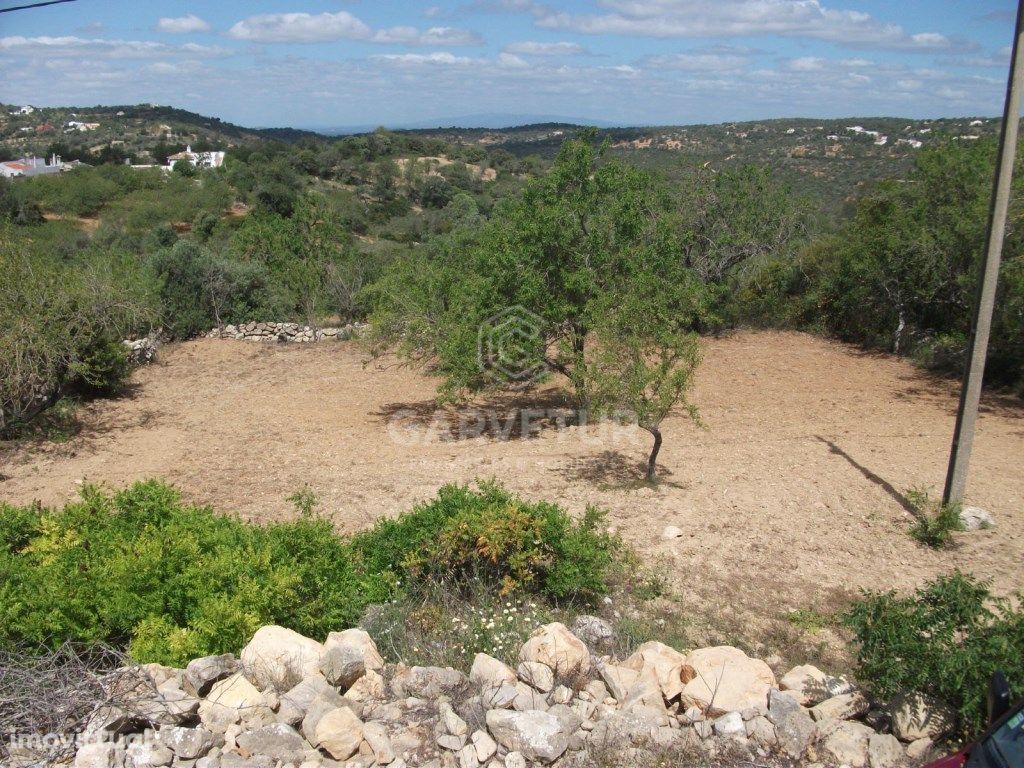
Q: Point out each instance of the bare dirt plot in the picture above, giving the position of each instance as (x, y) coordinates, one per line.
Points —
(790, 495)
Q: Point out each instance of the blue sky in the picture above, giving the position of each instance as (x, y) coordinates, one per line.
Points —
(337, 62)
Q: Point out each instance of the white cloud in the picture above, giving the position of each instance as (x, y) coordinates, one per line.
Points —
(189, 23)
(442, 58)
(511, 60)
(731, 18)
(534, 48)
(1000, 59)
(70, 46)
(331, 27)
(806, 64)
(698, 62)
(433, 36)
(300, 28)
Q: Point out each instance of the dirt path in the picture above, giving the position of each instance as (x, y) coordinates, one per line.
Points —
(789, 496)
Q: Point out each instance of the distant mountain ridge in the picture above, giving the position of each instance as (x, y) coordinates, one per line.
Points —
(489, 120)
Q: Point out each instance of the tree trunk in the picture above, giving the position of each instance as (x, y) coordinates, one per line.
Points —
(898, 336)
(652, 461)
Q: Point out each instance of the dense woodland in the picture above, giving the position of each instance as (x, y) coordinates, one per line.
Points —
(429, 233)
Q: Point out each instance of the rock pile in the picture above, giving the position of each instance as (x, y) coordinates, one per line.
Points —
(292, 701)
(284, 332)
(142, 351)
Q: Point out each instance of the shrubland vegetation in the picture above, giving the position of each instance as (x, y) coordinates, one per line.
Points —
(618, 270)
(944, 641)
(172, 581)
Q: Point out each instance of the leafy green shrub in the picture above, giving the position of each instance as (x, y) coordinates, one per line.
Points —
(103, 367)
(168, 579)
(493, 535)
(61, 324)
(944, 641)
(935, 521)
(172, 581)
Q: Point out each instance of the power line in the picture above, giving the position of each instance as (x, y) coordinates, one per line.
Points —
(33, 5)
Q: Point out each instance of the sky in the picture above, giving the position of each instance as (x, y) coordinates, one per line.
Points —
(332, 63)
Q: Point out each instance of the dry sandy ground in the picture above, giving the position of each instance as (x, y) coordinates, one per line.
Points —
(789, 496)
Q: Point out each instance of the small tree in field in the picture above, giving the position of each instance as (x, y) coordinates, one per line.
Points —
(646, 375)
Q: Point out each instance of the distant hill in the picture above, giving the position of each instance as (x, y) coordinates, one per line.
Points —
(825, 159)
(132, 130)
(490, 120)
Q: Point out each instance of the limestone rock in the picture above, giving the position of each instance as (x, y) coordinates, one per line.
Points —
(527, 698)
(917, 717)
(339, 733)
(369, 686)
(809, 685)
(636, 727)
(276, 741)
(794, 728)
(666, 662)
(848, 706)
(536, 675)
(342, 664)
(426, 682)
(484, 746)
(845, 743)
(976, 518)
(489, 672)
(918, 749)
(761, 731)
(188, 743)
(225, 700)
(295, 703)
(724, 679)
(102, 754)
(535, 735)
(376, 736)
(884, 751)
(558, 648)
(618, 679)
(147, 754)
(730, 724)
(595, 632)
(201, 674)
(360, 640)
(279, 658)
(452, 723)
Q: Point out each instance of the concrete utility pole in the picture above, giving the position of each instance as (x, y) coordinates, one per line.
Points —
(970, 392)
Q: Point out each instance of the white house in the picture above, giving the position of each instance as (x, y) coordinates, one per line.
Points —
(28, 109)
(31, 166)
(196, 159)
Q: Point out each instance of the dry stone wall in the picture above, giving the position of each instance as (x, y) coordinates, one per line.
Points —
(284, 332)
(290, 700)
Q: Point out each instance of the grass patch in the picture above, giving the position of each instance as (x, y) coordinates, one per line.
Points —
(936, 521)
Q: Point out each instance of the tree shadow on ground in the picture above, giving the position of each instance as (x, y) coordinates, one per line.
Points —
(613, 470)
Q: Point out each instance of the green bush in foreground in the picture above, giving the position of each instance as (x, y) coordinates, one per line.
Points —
(493, 535)
(944, 641)
(172, 581)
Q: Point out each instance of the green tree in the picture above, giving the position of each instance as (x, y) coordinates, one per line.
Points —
(583, 274)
